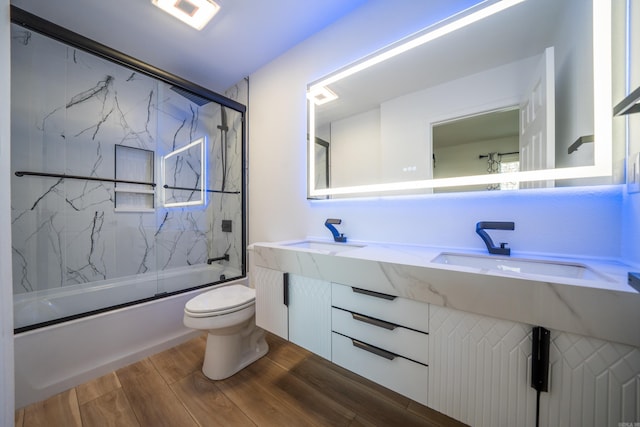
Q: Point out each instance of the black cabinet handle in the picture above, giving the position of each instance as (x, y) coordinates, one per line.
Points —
(373, 294)
(285, 288)
(375, 350)
(375, 322)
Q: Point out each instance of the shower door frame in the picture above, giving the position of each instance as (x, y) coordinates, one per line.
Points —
(32, 22)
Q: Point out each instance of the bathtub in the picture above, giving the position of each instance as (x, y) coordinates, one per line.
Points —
(51, 359)
(51, 304)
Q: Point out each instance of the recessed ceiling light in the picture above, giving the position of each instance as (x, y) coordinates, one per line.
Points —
(196, 13)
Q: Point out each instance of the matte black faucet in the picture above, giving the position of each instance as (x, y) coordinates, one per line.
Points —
(494, 225)
(338, 237)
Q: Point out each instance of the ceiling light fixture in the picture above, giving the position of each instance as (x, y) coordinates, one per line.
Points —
(196, 13)
(321, 95)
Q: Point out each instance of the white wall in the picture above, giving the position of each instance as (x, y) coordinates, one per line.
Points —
(574, 85)
(6, 307)
(583, 222)
(356, 137)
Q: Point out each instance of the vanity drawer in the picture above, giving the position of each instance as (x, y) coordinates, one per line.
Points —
(398, 310)
(388, 336)
(397, 373)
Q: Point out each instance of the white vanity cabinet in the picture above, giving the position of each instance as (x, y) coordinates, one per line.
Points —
(381, 337)
(294, 307)
(460, 342)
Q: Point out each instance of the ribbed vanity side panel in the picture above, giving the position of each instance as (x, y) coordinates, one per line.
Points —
(593, 382)
(479, 369)
(480, 374)
(271, 313)
(310, 314)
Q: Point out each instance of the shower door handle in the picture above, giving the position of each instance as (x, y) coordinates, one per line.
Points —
(285, 288)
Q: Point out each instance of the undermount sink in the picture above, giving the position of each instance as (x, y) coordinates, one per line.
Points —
(324, 246)
(520, 265)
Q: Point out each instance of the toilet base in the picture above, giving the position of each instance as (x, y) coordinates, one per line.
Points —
(230, 350)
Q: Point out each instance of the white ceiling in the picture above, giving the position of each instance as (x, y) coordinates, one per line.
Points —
(241, 38)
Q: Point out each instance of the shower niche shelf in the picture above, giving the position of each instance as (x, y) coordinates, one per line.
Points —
(134, 164)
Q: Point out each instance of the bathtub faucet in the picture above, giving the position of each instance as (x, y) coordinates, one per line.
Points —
(225, 257)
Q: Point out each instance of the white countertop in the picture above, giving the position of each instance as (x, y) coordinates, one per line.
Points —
(606, 307)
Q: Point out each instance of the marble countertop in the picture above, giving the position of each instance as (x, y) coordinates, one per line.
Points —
(604, 307)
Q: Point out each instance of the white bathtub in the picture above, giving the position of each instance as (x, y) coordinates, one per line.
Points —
(42, 306)
(54, 358)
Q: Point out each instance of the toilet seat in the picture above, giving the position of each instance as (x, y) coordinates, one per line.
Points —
(223, 300)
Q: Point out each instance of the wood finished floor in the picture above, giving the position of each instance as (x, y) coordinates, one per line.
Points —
(288, 387)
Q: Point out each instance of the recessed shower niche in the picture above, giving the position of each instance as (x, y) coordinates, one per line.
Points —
(134, 186)
(97, 221)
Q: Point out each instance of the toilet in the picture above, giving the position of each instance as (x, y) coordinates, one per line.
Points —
(233, 341)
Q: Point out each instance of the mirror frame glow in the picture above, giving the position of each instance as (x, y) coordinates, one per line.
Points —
(602, 90)
(203, 180)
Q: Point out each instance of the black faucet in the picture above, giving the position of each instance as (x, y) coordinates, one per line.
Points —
(494, 225)
(338, 237)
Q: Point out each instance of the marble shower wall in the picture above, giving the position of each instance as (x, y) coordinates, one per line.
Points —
(69, 111)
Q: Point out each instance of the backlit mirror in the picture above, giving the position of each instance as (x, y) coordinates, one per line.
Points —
(183, 175)
(508, 94)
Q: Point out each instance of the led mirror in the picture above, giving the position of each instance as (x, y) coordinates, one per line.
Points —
(547, 61)
(183, 175)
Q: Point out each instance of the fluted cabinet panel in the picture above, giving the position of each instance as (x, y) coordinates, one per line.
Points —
(271, 313)
(310, 314)
(480, 374)
(479, 369)
(598, 381)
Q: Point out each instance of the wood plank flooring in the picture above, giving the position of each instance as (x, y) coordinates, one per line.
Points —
(288, 387)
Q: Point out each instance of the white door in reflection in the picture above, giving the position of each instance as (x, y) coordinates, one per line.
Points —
(537, 121)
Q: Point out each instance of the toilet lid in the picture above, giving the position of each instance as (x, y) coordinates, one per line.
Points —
(221, 299)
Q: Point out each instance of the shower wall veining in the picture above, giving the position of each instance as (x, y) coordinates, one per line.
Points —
(70, 110)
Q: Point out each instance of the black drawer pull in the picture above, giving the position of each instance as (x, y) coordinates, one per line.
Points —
(373, 294)
(375, 350)
(375, 322)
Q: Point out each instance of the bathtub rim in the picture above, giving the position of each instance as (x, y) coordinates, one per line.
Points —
(118, 307)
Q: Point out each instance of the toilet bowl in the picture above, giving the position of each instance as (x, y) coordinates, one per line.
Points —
(233, 340)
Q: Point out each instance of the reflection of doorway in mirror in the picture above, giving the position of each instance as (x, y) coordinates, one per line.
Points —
(477, 145)
(321, 163)
(537, 121)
